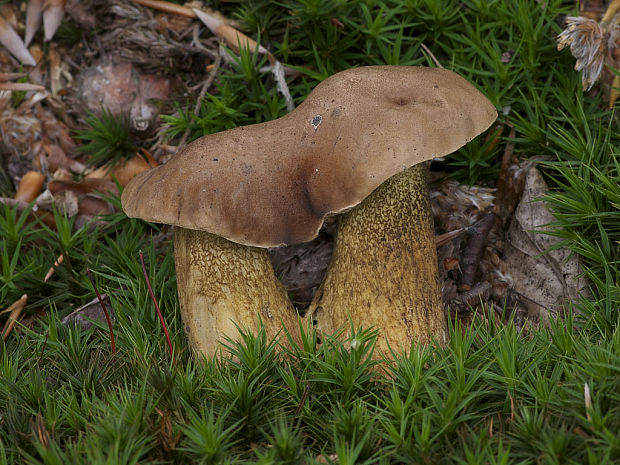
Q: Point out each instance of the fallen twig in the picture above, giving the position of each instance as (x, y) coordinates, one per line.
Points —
(433, 57)
(105, 310)
(302, 400)
(480, 292)
(278, 73)
(161, 318)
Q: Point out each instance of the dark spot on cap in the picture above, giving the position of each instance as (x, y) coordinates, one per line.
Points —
(316, 121)
(400, 100)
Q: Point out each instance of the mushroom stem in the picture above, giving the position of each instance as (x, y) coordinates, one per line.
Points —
(383, 271)
(222, 284)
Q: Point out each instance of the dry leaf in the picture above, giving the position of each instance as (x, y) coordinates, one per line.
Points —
(119, 87)
(34, 14)
(10, 14)
(543, 281)
(84, 316)
(56, 158)
(85, 186)
(52, 17)
(14, 44)
(124, 171)
(29, 187)
(66, 202)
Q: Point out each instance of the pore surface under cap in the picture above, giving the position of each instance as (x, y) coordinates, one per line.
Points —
(274, 183)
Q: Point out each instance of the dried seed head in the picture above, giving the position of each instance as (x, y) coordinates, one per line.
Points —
(591, 44)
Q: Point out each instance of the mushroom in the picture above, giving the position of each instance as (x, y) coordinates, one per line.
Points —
(234, 193)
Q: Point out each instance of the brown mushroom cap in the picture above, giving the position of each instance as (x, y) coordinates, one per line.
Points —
(274, 183)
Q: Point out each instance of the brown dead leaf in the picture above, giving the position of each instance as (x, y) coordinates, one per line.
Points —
(56, 159)
(85, 186)
(40, 430)
(82, 198)
(125, 170)
(168, 439)
(92, 205)
(29, 187)
(544, 282)
(120, 88)
(10, 13)
(84, 316)
(45, 216)
(66, 202)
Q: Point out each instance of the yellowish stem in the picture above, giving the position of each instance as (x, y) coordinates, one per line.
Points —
(383, 271)
(222, 284)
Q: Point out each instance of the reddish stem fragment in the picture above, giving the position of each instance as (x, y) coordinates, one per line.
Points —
(474, 250)
(161, 318)
(105, 310)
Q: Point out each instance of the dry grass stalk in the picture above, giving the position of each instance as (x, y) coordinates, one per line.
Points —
(14, 311)
(52, 270)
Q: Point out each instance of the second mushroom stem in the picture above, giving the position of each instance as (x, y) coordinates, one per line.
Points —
(222, 284)
(383, 271)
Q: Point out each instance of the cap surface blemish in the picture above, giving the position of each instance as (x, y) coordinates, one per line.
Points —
(316, 121)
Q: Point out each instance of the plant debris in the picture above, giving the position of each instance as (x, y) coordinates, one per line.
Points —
(84, 316)
(545, 276)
